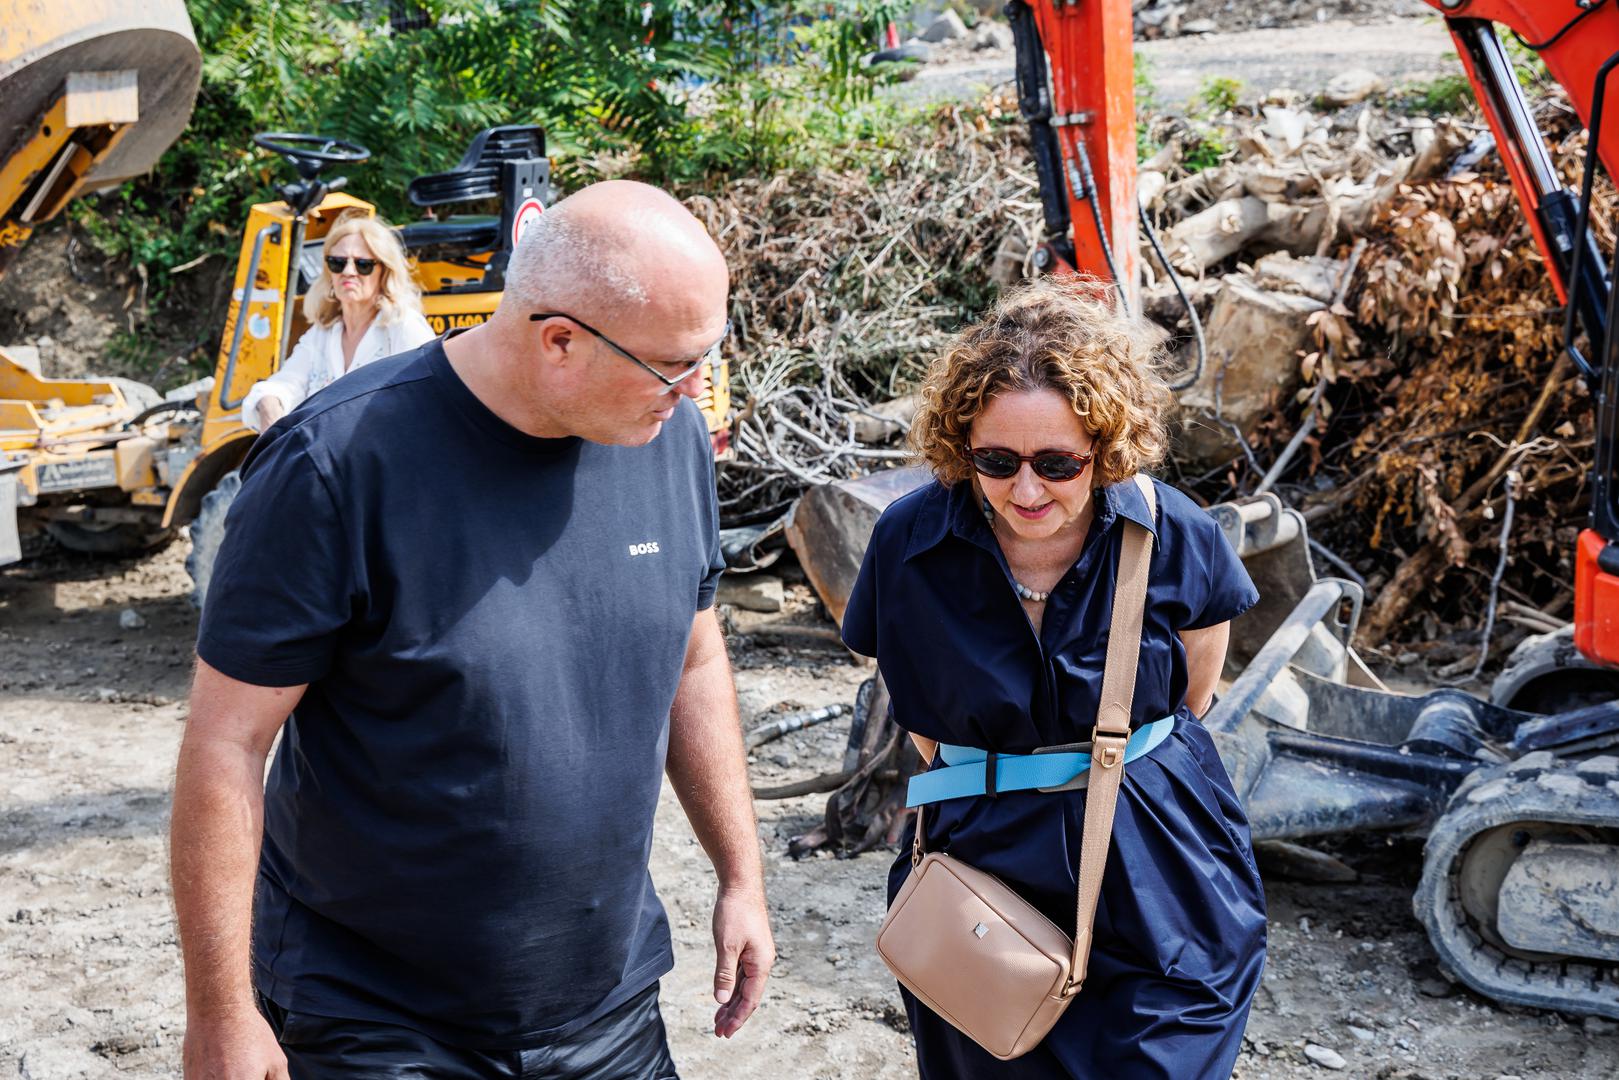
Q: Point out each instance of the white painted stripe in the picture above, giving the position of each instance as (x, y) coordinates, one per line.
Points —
(260, 296)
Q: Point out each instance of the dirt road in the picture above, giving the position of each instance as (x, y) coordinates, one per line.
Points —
(1304, 58)
(90, 716)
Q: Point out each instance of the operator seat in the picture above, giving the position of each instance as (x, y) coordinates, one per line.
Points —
(476, 177)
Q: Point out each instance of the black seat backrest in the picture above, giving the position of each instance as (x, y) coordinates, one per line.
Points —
(478, 174)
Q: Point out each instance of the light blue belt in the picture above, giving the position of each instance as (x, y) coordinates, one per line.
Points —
(969, 771)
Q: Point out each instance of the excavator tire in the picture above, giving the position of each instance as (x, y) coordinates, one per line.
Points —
(1542, 828)
(122, 538)
(208, 532)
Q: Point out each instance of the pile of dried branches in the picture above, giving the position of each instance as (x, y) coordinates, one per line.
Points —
(846, 283)
(1415, 396)
(1449, 463)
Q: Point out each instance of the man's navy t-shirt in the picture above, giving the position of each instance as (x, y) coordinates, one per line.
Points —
(492, 627)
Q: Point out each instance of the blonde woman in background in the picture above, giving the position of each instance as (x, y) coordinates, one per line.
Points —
(365, 306)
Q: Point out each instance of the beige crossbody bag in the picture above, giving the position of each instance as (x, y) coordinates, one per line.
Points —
(970, 948)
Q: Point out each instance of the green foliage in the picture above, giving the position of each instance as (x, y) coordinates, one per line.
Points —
(792, 92)
(671, 90)
(1528, 66)
(1206, 147)
(1451, 94)
(132, 351)
(1219, 94)
(1445, 95)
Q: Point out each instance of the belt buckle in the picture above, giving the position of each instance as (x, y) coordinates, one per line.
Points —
(1111, 755)
(1081, 779)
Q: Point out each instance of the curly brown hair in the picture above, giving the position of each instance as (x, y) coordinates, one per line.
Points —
(1064, 335)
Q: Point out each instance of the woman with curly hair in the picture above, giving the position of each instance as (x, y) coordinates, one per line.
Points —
(986, 597)
(365, 306)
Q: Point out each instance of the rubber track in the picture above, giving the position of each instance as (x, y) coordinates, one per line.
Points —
(1537, 787)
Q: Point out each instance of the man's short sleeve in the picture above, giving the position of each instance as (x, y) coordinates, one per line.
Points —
(1229, 589)
(711, 531)
(283, 583)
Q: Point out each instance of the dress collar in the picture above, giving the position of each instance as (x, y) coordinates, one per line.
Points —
(956, 511)
(371, 344)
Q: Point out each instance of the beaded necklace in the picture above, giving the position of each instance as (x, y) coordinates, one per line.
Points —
(1023, 591)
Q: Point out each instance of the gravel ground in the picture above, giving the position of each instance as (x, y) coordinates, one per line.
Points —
(1303, 57)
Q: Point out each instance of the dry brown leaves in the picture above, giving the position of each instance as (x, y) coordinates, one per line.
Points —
(1461, 332)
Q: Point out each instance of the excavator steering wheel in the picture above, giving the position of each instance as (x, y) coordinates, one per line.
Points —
(310, 153)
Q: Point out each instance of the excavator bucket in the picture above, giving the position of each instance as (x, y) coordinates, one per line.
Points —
(91, 93)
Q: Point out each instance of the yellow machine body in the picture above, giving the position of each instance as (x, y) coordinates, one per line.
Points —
(85, 460)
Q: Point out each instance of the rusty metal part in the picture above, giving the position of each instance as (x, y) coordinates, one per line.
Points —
(830, 526)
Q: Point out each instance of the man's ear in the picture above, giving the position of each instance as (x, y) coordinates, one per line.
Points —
(558, 342)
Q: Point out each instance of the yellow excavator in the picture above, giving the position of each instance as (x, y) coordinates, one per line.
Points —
(91, 93)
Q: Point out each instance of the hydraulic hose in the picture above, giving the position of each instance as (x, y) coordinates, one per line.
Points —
(1186, 301)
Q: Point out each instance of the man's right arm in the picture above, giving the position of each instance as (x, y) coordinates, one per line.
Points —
(213, 852)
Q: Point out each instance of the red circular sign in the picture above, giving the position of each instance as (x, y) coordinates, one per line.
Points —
(527, 214)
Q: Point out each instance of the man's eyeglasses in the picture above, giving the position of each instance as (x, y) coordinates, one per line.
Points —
(363, 267)
(1056, 466)
(711, 355)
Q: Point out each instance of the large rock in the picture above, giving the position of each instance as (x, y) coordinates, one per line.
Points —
(946, 27)
(1254, 337)
(1356, 84)
(991, 35)
(1325, 1056)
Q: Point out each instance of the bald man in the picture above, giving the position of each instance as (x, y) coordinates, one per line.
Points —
(480, 580)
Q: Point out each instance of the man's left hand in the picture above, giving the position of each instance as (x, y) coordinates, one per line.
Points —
(744, 953)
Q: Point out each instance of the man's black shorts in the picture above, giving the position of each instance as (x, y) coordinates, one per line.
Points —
(628, 1043)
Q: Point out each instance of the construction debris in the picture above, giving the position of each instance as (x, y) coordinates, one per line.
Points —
(775, 729)
(1390, 416)
(1255, 339)
(844, 290)
(751, 592)
(831, 525)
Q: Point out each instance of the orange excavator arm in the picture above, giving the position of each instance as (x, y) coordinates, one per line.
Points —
(1578, 40)
(1076, 90)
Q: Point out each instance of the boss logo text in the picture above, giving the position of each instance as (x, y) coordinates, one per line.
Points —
(649, 548)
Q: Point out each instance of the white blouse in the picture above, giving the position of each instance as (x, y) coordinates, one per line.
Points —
(317, 360)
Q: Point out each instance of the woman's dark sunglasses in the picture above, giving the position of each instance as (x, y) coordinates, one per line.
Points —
(998, 463)
(363, 267)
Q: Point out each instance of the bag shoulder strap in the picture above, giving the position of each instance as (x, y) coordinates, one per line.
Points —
(1112, 727)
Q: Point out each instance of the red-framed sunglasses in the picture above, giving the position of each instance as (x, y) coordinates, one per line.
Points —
(999, 463)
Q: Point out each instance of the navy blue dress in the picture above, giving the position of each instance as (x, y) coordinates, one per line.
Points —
(1180, 929)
